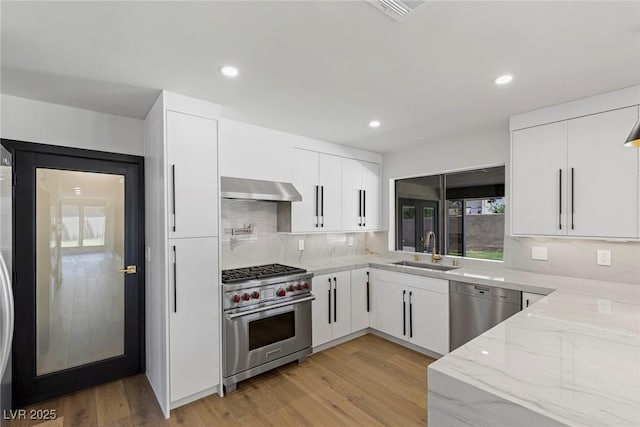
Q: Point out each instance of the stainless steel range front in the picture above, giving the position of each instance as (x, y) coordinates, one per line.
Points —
(267, 320)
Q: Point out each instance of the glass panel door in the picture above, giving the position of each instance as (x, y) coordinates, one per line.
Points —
(80, 292)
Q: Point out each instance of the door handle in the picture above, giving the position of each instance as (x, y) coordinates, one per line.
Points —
(130, 269)
(175, 280)
(329, 299)
(368, 305)
(322, 206)
(410, 315)
(359, 208)
(317, 207)
(364, 208)
(572, 200)
(560, 202)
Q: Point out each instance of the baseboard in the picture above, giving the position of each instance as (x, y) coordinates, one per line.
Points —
(340, 340)
(163, 407)
(195, 396)
(406, 344)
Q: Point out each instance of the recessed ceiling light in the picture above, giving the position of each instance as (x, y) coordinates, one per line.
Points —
(374, 124)
(229, 71)
(503, 80)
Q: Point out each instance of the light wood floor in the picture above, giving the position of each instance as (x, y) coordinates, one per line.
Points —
(367, 381)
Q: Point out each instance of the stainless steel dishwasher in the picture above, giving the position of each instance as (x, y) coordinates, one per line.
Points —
(474, 309)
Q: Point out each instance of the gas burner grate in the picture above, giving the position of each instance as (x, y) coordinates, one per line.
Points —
(238, 275)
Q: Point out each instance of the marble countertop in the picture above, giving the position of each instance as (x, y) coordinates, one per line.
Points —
(572, 358)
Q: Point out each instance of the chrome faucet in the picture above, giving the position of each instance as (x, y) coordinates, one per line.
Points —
(435, 257)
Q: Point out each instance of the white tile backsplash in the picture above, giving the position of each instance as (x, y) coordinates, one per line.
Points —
(266, 245)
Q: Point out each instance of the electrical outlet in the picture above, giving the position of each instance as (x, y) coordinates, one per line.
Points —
(604, 257)
(539, 253)
(350, 241)
(301, 245)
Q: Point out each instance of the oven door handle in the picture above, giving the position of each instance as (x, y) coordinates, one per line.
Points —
(270, 307)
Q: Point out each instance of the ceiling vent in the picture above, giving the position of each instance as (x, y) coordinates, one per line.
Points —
(398, 10)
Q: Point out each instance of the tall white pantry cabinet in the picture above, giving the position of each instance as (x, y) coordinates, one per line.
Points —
(183, 287)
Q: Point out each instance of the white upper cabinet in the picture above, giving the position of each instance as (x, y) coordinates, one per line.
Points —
(192, 158)
(574, 177)
(371, 196)
(360, 195)
(330, 182)
(539, 180)
(338, 193)
(305, 214)
(603, 175)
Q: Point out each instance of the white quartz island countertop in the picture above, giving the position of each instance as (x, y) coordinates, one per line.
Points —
(573, 358)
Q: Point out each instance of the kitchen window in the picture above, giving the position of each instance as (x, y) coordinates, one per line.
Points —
(467, 217)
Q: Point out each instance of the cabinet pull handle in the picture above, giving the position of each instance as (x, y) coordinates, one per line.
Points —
(317, 206)
(329, 299)
(359, 208)
(404, 314)
(410, 315)
(572, 204)
(560, 201)
(322, 206)
(368, 292)
(175, 280)
(173, 196)
(364, 208)
(335, 300)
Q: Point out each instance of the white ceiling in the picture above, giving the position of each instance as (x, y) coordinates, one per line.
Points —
(324, 69)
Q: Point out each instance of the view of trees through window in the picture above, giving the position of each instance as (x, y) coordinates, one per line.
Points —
(473, 208)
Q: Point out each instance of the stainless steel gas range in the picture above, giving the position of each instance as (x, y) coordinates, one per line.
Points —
(267, 320)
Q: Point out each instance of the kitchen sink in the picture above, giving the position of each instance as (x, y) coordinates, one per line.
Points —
(425, 265)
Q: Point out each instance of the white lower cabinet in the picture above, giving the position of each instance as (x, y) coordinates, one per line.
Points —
(332, 307)
(360, 298)
(412, 308)
(194, 317)
(529, 299)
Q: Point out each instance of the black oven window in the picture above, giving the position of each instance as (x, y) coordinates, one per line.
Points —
(270, 330)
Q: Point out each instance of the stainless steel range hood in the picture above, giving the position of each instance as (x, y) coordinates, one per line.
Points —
(254, 189)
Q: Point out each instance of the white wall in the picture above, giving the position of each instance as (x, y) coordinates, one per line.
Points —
(567, 257)
(35, 121)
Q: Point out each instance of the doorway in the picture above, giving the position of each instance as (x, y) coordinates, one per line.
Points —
(79, 263)
(418, 217)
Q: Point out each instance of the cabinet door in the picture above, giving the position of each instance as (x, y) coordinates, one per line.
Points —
(371, 196)
(341, 304)
(429, 320)
(192, 175)
(351, 195)
(330, 180)
(194, 314)
(539, 180)
(390, 308)
(360, 298)
(322, 309)
(304, 216)
(603, 176)
(528, 299)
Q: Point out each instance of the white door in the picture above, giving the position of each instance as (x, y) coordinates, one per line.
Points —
(322, 309)
(539, 180)
(360, 298)
(429, 321)
(390, 308)
(351, 195)
(194, 313)
(192, 175)
(371, 196)
(341, 301)
(330, 180)
(304, 214)
(603, 176)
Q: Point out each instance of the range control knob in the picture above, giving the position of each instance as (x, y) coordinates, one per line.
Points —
(246, 297)
(235, 298)
(299, 286)
(281, 292)
(305, 285)
(291, 288)
(255, 295)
